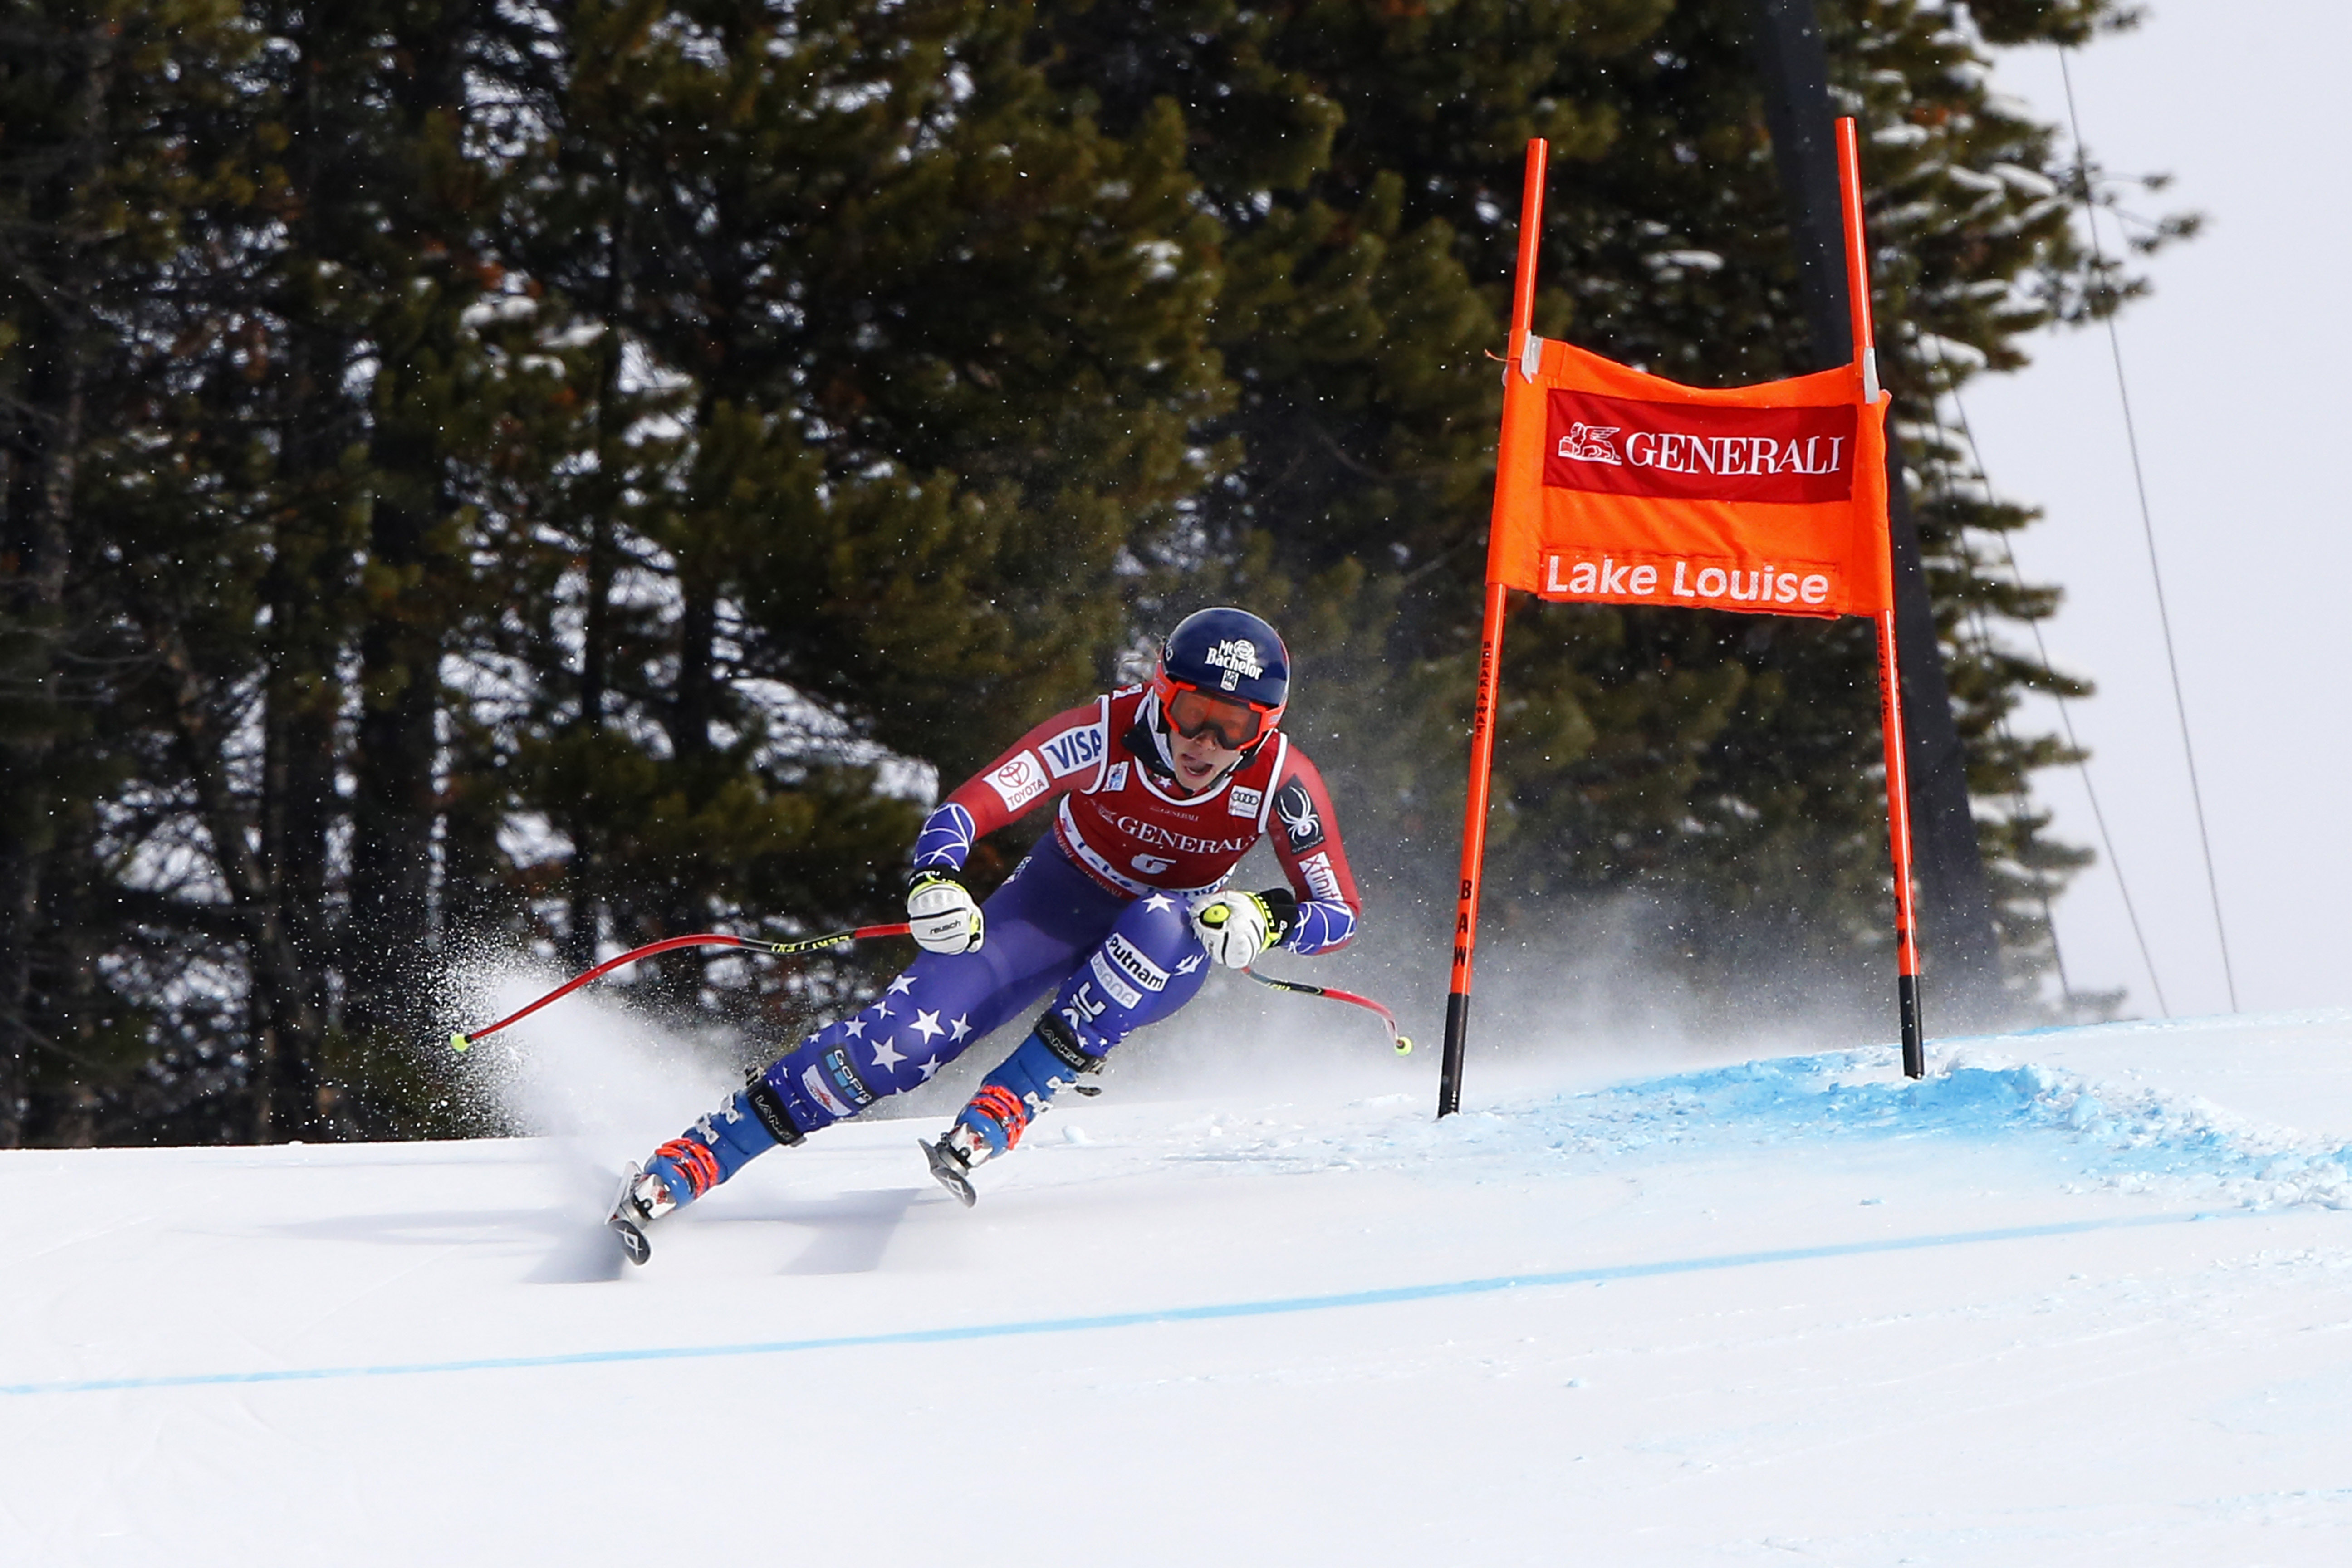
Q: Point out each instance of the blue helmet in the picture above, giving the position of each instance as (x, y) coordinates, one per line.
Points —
(1231, 671)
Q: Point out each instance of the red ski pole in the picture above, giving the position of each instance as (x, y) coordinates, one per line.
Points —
(1402, 1042)
(461, 1043)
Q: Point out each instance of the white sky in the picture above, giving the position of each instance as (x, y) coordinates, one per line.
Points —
(2229, 367)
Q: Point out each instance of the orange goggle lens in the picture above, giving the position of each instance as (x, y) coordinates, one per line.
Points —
(1196, 713)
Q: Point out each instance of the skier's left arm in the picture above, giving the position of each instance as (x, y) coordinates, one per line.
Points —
(1050, 760)
(1305, 836)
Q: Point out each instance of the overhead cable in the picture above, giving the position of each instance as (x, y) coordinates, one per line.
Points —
(2065, 718)
(2147, 527)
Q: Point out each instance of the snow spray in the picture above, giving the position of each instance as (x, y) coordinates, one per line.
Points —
(594, 1065)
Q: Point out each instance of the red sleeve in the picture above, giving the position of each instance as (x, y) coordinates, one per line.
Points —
(1306, 841)
(1064, 753)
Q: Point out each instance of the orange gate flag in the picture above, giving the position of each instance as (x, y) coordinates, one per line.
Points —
(1617, 486)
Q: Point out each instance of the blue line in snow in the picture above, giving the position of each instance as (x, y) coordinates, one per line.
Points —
(1273, 1307)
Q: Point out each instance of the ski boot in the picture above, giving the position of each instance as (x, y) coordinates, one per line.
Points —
(679, 1171)
(690, 1164)
(1007, 1100)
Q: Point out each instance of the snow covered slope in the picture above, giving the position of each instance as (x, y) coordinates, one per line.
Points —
(2079, 1298)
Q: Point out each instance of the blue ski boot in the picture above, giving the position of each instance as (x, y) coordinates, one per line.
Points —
(1008, 1100)
(750, 1124)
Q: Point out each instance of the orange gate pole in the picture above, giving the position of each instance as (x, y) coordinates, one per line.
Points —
(1490, 673)
(1890, 679)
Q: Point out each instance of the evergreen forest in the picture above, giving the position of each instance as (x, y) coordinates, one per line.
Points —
(483, 475)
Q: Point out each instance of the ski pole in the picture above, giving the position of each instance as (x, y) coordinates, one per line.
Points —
(461, 1043)
(1402, 1042)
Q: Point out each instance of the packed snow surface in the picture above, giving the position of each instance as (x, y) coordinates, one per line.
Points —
(2078, 1296)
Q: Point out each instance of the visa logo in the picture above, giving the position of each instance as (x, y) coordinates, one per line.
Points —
(1073, 750)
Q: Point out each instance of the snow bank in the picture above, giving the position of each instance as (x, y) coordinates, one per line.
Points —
(2133, 1139)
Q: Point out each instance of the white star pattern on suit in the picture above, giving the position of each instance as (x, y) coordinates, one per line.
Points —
(927, 1026)
(886, 1056)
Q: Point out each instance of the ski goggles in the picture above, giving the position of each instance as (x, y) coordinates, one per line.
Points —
(1236, 725)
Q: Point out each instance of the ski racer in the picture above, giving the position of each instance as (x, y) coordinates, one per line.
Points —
(1157, 790)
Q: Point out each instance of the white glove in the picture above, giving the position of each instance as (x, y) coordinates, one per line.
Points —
(942, 915)
(1235, 927)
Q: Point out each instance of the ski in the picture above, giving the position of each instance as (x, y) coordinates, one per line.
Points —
(950, 1171)
(627, 1221)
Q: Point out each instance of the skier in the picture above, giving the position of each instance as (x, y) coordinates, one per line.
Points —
(1159, 790)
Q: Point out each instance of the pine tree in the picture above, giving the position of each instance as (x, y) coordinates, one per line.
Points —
(53, 101)
(1704, 785)
(359, 405)
(263, 513)
(107, 179)
(884, 358)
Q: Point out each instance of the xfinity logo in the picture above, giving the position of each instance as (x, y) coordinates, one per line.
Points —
(1321, 880)
(1238, 658)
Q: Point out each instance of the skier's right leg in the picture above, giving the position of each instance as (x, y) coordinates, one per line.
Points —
(1148, 964)
(1046, 914)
